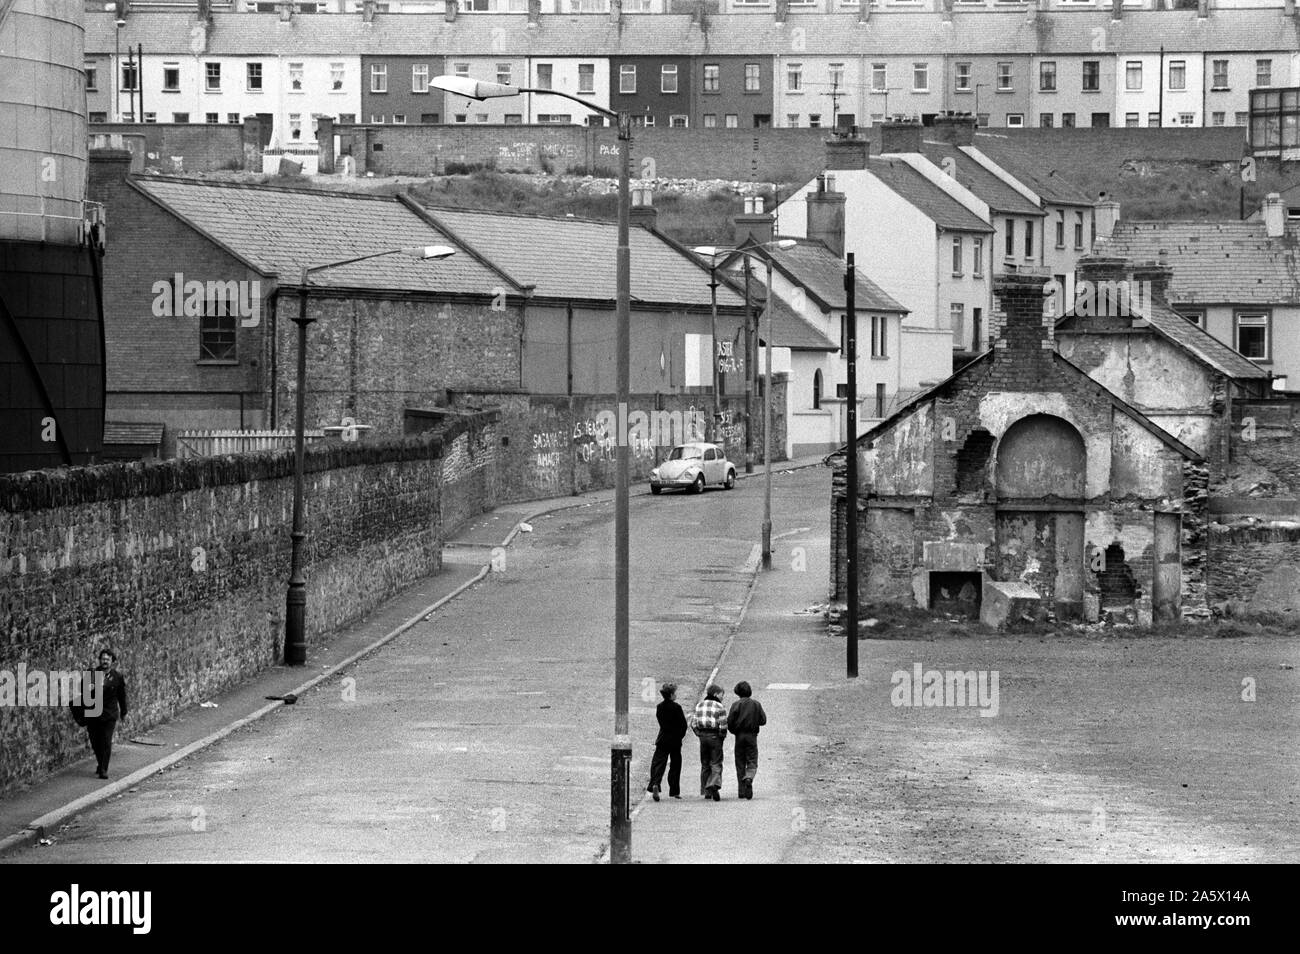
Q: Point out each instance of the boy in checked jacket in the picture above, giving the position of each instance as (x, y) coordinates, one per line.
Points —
(709, 723)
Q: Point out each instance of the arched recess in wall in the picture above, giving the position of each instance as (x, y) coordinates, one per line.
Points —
(1039, 457)
(817, 390)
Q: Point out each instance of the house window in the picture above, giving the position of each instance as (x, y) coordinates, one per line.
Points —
(648, 121)
(981, 120)
(505, 74)
(1186, 119)
(1045, 120)
(420, 78)
(295, 126)
(976, 329)
(216, 333)
(835, 73)
(207, 117)
(336, 77)
(817, 390)
(1178, 74)
(792, 120)
(753, 78)
(153, 117)
(1091, 76)
(879, 336)
(586, 77)
(977, 257)
(180, 117)
(545, 75)
(1015, 120)
(379, 78)
(514, 119)
(710, 120)
(98, 117)
(1252, 335)
(920, 77)
(295, 77)
(1100, 120)
(878, 77)
(880, 400)
(233, 117)
(253, 77)
(1218, 119)
(1132, 119)
(552, 118)
(399, 119)
(172, 78)
(1004, 77)
(1010, 237)
(627, 79)
(1047, 76)
(429, 118)
(1060, 229)
(961, 78)
(212, 76)
(1240, 119)
(732, 120)
(677, 121)
(956, 255)
(92, 78)
(1153, 120)
(1219, 74)
(668, 78)
(712, 79)
(129, 76)
(814, 120)
(457, 117)
(1263, 72)
(1195, 317)
(794, 77)
(1067, 120)
(1029, 239)
(956, 319)
(1133, 74)
(461, 69)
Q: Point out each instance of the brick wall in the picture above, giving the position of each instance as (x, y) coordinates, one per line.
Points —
(782, 155)
(182, 147)
(181, 566)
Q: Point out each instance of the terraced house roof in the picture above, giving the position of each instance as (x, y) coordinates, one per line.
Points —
(971, 32)
(999, 196)
(281, 231)
(1032, 168)
(811, 264)
(920, 192)
(1228, 263)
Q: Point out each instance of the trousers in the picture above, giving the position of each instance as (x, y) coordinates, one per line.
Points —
(667, 755)
(101, 740)
(746, 753)
(710, 761)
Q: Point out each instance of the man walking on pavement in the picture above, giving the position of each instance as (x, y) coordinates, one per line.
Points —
(744, 720)
(113, 707)
(668, 746)
(709, 723)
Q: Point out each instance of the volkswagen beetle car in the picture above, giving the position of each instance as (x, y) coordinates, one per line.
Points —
(694, 467)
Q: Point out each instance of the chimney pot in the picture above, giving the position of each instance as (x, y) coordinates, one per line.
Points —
(1274, 214)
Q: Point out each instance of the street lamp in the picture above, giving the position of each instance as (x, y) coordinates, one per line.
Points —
(746, 251)
(295, 601)
(620, 790)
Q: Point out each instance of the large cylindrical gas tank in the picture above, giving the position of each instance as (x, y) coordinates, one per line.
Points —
(42, 120)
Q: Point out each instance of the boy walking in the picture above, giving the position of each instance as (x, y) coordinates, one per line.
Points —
(745, 719)
(709, 723)
(668, 746)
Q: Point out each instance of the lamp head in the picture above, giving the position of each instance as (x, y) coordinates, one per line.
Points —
(429, 251)
(471, 88)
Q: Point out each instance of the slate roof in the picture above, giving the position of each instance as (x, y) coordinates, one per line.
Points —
(1227, 262)
(971, 32)
(919, 191)
(1194, 339)
(789, 328)
(811, 264)
(575, 258)
(999, 196)
(1032, 167)
(279, 231)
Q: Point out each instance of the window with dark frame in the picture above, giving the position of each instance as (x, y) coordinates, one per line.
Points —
(1252, 335)
(217, 332)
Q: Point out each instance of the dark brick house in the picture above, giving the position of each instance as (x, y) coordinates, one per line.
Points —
(732, 92)
(395, 89)
(655, 90)
(1022, 486)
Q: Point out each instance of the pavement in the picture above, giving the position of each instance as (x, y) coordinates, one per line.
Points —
(29, 816)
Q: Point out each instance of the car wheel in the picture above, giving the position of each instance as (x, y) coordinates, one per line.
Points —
(699, 484)
(655, 489)
(731, 480)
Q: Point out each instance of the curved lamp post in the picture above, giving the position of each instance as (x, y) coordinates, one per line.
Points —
(620, 807)
(746, 251)
(295, 602)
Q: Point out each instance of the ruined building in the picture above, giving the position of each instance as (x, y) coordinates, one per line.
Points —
(1021, 487)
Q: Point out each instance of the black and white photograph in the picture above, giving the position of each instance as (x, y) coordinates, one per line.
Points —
(441, 431)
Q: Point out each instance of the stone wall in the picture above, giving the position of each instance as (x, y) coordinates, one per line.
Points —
(1254, 570)
(178, 147)
(181, 566)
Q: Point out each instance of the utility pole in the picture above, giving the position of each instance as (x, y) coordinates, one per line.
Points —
(750, 361)
(835, 96)
(851, 474)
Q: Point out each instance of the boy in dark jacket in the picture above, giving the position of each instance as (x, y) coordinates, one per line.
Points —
(668, 746)
(744, 720)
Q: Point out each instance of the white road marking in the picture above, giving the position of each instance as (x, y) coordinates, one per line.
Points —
(789, 685)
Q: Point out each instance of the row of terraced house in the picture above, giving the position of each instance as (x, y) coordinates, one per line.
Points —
(805, 65)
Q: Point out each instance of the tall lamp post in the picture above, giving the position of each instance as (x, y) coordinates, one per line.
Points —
(295, 601)
(712, 251)
(620, 790)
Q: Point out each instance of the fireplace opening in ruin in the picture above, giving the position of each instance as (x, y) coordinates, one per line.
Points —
(956, 593)
(973, 460)
(1116, 579)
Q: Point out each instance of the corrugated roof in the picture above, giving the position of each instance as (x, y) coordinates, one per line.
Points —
(1032, 168)
(279, 231)
(972, 32)
(1227, 262)
(942, 208)
(999, 196)
(132, 432)
(811, 264)
(575, 258)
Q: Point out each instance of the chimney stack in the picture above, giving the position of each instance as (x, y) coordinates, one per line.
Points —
(900, 135)
(957, 129)
(1022, 330)
(753, 222)
(1274, 214)
(1157, 275)
(616, 12)
(946, 10)
(1106, 216)
(643, 213)
(1288, 8)
(847, 152)
(1202, 8)
(534, 14)
(864, 11)
(782, 8)
(368, 11)
(204, 11)
(1117, 9)
(286, 12)
(449, 10)
(825, 209)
